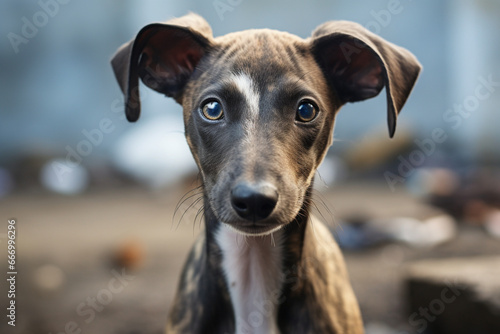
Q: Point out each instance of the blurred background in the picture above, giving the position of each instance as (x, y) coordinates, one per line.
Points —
(94, 197)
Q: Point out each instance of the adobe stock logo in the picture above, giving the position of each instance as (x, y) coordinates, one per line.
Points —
(30, 28)
(84, 148)
(224, 6)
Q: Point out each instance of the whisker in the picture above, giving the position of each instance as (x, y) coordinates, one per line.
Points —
(272, 240)
(313, 227)
(186, 197)
(193, 198)
(318, 210)
(319, 196)
(200, 214)
(189, 207)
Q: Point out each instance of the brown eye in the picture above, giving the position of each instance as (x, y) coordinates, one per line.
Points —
(212, 110)
(306, 112)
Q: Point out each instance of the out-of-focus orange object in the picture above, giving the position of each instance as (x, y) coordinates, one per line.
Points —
(129, 255)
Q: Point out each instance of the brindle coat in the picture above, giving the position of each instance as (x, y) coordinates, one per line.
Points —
(259, 77)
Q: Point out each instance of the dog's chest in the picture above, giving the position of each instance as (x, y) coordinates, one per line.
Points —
(253, 270)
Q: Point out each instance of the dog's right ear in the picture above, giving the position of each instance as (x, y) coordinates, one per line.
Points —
(163, 55)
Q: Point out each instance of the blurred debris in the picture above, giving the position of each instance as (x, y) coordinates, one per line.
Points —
(379, 328)
(26, 169)
(428, 232)
(357, 232)
(6, 182)
(49, 278)
(56, 175)
(455, 296)
(129, 255)
(155, 153)
(492, 223)
(373, 150)
(433, 181)
(473, 200)
(420, 233)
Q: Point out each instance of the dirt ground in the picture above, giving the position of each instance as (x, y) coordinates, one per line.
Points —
(71, 251)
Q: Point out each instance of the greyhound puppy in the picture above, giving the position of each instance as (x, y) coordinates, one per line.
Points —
(259, 110)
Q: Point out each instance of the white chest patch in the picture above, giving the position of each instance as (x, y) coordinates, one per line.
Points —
(252, 266)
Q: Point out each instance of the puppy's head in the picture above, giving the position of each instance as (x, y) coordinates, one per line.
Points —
(260, 105)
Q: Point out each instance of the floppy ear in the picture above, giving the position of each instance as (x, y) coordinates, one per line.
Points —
(163, 55)
(358, 64)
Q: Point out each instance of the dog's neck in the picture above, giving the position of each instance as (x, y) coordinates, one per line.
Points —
(257, 269)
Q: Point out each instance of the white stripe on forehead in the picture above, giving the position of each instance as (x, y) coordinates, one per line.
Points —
(247, 87)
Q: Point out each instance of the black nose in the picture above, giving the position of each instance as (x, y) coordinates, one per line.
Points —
(254, 202)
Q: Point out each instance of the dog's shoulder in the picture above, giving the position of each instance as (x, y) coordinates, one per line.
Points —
(201, 286)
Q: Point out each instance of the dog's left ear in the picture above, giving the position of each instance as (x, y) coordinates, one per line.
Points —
(163, 55)
(358, 64)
